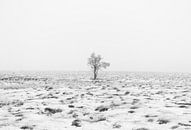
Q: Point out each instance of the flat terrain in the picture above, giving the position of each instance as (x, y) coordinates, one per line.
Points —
(118, 100)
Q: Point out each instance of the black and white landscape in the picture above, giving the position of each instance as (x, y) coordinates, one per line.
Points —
(95, 65)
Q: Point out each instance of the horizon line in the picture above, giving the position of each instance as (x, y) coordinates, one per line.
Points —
(127, 71)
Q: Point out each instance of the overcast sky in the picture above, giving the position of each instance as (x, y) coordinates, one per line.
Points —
(133, 35)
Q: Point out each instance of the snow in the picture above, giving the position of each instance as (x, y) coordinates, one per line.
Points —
(130, 101)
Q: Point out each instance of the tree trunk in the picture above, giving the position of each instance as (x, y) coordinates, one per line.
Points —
(95, 76)
(95, 73)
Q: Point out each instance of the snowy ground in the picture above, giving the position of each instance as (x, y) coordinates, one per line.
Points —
(71, 101)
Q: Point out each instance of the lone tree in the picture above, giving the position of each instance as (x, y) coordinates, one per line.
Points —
(96, 64)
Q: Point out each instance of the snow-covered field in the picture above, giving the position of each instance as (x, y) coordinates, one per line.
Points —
(118, 100)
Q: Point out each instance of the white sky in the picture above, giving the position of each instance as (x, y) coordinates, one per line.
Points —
(133, 35)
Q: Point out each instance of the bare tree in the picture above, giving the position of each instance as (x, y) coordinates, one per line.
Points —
(96, 64)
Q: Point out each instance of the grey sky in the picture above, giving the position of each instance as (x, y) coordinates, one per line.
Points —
(133, 35)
